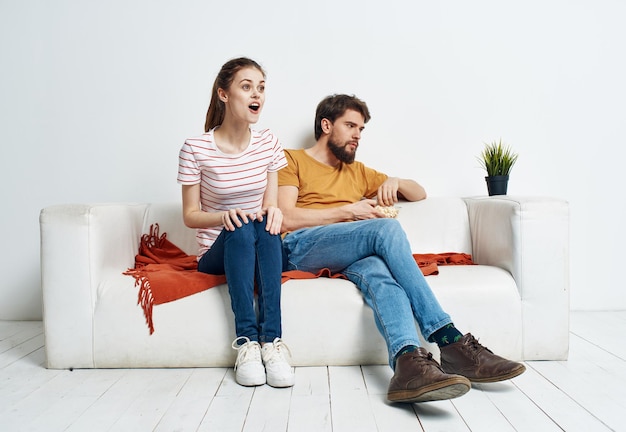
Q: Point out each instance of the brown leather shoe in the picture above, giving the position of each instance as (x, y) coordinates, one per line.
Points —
(419, 378)
(469, 358)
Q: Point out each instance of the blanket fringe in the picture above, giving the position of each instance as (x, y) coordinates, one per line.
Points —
(153, 239)
(144, 298)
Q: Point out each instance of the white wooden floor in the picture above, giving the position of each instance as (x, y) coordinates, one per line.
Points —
(586, 393)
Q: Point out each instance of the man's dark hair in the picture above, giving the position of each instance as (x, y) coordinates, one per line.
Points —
(334, 106)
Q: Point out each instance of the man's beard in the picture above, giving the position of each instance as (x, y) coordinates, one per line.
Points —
(341, 153)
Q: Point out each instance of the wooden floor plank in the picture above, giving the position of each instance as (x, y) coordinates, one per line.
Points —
(310, 401)
(11, 337)
(393, 417)
(480, 413)
(36, 402)
(601, 329)
(311, 381)
(229, 407)
(349, 401)
(145, 412)
(191, 403)
(18, 384)
(518, 410)
(581, 394)
(440, 416)
(556, 404)
(388, 416)
(377, 379)
(115, 401)
(269, 409)
(598, 391)
(21, 350)
(62, 412)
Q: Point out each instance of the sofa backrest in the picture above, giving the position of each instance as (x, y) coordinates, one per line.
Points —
(434, 225)
(169, 216)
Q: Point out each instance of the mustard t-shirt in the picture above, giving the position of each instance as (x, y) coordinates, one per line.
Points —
(320, 185)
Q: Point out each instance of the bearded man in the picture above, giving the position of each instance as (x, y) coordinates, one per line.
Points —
(333, 218)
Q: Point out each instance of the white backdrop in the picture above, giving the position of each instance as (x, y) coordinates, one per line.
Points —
(96, 99)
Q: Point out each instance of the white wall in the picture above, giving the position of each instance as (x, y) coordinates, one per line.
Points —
(96, 99)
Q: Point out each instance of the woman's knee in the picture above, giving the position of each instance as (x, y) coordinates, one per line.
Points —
(244, 233)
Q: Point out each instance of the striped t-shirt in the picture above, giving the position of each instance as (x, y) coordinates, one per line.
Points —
(228, 180)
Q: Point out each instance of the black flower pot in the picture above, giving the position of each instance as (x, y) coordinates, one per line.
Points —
(496, 185)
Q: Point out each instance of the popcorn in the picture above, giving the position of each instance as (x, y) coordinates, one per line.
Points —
(388, 211)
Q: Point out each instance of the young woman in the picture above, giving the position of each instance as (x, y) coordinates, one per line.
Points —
(229, 179)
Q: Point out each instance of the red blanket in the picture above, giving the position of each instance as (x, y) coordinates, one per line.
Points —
(165, 273)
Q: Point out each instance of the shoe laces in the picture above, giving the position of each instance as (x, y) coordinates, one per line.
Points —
(474, 345)
(274, 352)
(423, 356)
(425, 359)
(247, 351)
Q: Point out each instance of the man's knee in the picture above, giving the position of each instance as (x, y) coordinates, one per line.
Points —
(389, 229)
(368, 266)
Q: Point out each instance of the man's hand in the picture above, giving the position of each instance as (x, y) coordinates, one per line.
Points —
(365, 209)
(274, 219)
(388, 192)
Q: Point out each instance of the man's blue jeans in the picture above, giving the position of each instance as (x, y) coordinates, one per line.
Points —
(249, 254)
(376, 256)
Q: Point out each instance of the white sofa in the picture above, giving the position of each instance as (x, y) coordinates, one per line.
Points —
(516, 301)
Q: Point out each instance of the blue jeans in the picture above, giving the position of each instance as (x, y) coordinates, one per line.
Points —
(376, 256)
(247, 255)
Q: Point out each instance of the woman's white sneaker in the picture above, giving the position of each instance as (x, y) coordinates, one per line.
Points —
(249, 370)
(277, 369)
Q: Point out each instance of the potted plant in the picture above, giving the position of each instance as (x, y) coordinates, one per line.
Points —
(497, 159)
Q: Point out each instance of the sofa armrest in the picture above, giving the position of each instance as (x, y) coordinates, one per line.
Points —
(529, 237)
(79, 244)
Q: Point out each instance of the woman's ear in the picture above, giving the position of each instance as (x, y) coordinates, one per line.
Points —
(222, 95)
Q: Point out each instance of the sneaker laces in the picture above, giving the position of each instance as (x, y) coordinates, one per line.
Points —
(276, 351)
(248, 351)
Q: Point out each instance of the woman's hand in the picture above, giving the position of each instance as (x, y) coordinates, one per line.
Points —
(231, 219)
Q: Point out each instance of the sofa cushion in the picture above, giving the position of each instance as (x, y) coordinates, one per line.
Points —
(325, 321)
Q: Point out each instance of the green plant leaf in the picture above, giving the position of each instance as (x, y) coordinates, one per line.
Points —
(497, 159)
